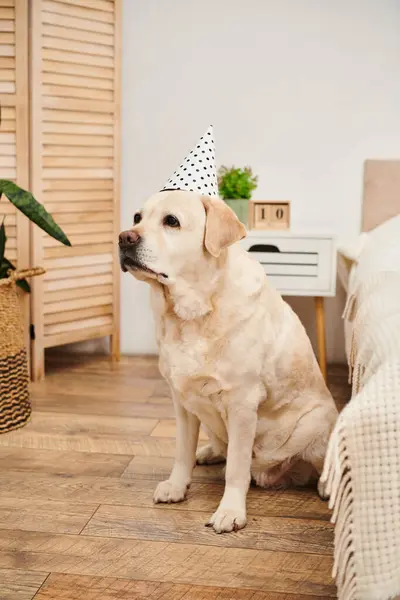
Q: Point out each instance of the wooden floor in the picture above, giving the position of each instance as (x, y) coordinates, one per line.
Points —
(76, 513)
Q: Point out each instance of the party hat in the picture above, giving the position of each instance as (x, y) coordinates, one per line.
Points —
(198, 172)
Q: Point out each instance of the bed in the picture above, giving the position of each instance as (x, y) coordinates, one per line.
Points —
(381, 202)
(362, 467)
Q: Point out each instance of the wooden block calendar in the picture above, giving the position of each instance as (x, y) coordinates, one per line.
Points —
(265, 214)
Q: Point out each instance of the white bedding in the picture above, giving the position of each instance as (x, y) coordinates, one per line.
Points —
(362, 468)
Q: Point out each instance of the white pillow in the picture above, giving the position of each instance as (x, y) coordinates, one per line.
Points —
(351, 248)
(373, 252)
(381, 251)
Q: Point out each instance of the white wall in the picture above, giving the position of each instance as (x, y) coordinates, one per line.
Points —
(303, 91)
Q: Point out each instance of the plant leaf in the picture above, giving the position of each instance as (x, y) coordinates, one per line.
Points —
(3, 240)
(8, 264)
(35, 211)
(24, 285)
(5, 266)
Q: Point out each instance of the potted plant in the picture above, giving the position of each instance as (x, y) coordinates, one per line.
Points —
(235, 187)
(15, 408)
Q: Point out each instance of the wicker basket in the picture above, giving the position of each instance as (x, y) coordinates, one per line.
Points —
(15, 407)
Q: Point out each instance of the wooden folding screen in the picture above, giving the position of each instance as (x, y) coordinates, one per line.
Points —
(75, 170)
(14, 129)
(14, 138)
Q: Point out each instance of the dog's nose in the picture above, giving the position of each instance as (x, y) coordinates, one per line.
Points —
(128, 238)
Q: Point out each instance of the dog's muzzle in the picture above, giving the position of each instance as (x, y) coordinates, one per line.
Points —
(130, 255)
(128, 243)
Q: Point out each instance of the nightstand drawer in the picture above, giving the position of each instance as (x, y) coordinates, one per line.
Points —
(296, 266)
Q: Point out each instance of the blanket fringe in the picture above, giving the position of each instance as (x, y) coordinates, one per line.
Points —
(349, 309)
(348, 315)
(338, 483)
(356, 383)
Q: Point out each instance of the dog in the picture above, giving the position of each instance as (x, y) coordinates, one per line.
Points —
(235, 355)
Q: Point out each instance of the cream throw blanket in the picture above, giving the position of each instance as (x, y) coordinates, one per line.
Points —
(362, 467)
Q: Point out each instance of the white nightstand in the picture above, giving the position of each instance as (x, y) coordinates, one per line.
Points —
(299, 264)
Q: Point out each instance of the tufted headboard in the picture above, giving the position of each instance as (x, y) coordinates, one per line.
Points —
(381, 192)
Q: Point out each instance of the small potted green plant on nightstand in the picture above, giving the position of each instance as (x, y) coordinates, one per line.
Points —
(235, 187)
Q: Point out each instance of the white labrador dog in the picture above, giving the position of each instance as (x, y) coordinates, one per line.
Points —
(235, 355)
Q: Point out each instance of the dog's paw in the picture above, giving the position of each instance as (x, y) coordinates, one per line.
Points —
(271, 481)
(168, 491)
(225, 520)
(206, 456)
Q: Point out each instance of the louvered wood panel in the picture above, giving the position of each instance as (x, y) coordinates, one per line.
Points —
(14, 130)
(14, 143)
(75, 168)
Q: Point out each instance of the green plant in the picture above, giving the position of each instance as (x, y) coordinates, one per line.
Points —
(36, 213)
(236, 183)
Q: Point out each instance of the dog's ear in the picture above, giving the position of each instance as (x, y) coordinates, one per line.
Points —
(223, 228)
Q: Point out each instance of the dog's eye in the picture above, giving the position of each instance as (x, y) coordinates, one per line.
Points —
(171, 221)
(137, 218)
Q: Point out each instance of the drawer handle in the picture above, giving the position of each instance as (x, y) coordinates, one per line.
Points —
(264, 248)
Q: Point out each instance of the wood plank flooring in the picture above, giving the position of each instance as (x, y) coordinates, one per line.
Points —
(76, 513)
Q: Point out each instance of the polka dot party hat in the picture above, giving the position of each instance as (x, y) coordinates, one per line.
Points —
(198, 171)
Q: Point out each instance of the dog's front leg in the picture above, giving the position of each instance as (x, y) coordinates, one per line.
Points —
(242, 422)
(187, 434)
